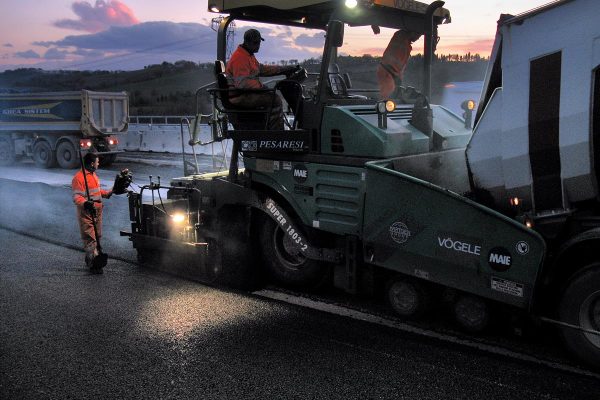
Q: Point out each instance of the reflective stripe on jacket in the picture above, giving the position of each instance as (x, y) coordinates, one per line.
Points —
(78, 187)
(244, 69)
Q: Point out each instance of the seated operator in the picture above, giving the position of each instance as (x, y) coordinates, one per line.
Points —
(390, 70)
(244, 69)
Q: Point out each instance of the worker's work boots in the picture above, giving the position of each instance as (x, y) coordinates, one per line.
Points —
(89, 262)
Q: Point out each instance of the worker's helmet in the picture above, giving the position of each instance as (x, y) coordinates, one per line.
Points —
(252, 36)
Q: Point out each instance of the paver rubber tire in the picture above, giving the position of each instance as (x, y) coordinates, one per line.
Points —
(66, 155)
(284, 263)
(472, 313)
(580, 305)
(43, 155)
(409, 298)
(7, 153)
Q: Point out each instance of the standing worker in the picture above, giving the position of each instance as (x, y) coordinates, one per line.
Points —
(244, 69)
(390, 70)
(89, 210)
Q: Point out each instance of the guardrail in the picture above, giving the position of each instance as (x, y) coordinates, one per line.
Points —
(162, 133)
(158, 119)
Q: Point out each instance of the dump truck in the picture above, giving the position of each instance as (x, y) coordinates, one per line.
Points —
(53, 127)
(400, 197)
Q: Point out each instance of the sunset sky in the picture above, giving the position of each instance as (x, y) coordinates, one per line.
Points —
(129, 34)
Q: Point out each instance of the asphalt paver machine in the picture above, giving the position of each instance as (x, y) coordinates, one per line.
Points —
(366, 194)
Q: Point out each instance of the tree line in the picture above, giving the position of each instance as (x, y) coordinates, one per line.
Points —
(170, 88)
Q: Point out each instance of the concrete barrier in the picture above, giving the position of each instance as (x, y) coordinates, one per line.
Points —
(131, 141)
(166, 138)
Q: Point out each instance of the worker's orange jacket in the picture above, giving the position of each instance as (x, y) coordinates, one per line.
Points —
(78, 187)
(243, 69)
(393, 62)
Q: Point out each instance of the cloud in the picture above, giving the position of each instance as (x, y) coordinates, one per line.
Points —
(8, 45)
(280, 44)
(139, 45)
(133, 47)
(88, 53)
(27, 54)
(55, 54)
(148, 37)
(98, 17)
(316, 41)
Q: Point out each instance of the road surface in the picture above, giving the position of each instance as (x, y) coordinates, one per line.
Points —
(139, 333)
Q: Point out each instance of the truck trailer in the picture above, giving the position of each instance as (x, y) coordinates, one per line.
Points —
(53, 127)
(400, 197)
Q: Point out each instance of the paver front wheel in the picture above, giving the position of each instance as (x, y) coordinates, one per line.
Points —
(580, 306)
(285, 262)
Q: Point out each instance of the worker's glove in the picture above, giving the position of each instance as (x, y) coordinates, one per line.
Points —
(122, 182)
(88, 206)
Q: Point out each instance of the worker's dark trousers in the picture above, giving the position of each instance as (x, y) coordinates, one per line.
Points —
(291, 92)
(86, 229)
(253, 101)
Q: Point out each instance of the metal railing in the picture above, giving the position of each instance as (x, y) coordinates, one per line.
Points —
(158, 119)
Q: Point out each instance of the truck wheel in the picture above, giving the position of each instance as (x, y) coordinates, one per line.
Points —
(580, 305)
(66, 155)
(472, 313)
(107, 160)
(409, 298)
(7, 153)
(43, 155)
(284, 261)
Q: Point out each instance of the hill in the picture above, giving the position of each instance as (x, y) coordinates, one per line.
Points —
(170, 89)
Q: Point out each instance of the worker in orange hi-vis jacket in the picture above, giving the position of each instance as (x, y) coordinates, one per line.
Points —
(89, 209)
(243, 69)
(390, 70)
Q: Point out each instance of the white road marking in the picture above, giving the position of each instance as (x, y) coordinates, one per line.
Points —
(374, 319)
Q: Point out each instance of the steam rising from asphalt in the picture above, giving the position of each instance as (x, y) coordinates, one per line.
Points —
(39, 203)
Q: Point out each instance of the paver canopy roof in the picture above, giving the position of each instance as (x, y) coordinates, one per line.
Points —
(316, 13)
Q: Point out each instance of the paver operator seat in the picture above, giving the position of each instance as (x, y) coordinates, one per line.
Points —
(241, 118)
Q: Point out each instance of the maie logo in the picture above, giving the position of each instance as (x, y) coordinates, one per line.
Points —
(300, 173)
(399, 232)
(499, 259)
